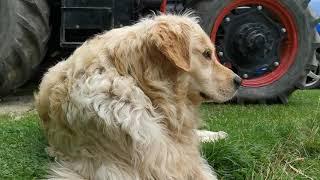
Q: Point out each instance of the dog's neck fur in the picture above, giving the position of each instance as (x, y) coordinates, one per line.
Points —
(165, 85)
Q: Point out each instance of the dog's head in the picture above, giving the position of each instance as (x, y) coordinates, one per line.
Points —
(183, 42)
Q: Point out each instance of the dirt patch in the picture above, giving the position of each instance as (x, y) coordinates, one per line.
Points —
(16, 105)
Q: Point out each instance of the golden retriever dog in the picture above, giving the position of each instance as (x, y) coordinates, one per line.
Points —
(124, 105)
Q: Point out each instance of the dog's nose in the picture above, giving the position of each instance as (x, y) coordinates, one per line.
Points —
(237, 81)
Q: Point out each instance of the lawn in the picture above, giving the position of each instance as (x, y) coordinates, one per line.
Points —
(265, 141)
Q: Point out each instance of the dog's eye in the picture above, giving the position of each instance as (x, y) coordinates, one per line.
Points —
(207, 54)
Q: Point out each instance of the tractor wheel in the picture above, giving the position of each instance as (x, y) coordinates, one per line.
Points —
(24, 32)
(270, 43)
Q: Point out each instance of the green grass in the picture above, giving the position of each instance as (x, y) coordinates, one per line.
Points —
(22, 144)
(265, 141)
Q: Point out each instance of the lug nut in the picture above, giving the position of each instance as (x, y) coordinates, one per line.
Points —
(245, 76)
(276, 64)
(283, 30)
(220, 53)
(259, 8)
(228, 19)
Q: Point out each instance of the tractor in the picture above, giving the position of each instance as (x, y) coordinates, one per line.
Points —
(271, 44)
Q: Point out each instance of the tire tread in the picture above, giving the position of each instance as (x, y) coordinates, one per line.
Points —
(28, 47)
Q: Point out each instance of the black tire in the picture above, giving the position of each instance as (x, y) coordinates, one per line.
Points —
(280, 90)
(24, 33)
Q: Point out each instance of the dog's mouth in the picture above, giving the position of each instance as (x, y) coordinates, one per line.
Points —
(204, 95)
(220, 98)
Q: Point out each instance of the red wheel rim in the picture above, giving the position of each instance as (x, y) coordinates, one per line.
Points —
(289, 45)
(163, 6)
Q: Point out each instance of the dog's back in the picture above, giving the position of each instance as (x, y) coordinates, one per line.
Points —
(101, 125)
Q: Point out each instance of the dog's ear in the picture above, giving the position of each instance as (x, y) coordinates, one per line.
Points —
(173, 42)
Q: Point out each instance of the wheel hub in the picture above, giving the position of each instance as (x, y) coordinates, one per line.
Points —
(251, 36)
(253, 49)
